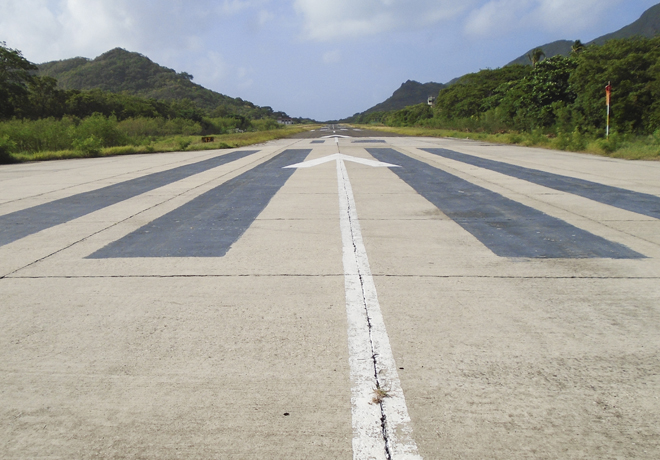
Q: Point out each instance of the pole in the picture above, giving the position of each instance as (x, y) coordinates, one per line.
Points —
(608, 94)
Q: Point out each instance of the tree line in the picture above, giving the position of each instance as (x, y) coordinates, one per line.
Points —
(36, 115)
(28, 96)
(556, 95)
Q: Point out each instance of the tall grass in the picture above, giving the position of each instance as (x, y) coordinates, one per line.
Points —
(23, 140)
(626, 146)
(168, 144)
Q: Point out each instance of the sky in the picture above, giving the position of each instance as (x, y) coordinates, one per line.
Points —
(320, 59)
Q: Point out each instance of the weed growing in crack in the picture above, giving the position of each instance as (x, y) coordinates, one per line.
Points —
(379, 395)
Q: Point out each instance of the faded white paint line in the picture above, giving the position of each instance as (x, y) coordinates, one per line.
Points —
(380, 431)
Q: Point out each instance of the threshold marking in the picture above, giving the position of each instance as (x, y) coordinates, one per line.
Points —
(381, 430)
(640, 203)
(208, 225)
(19, 224)
(506, 227)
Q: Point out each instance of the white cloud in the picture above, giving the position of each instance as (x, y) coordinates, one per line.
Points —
(235, 6)
(326, 20)
(211, 68)
(499, 17)
(23, 23)
(495, 17)
(332, 57)
(244, 77)
(86, 22)
(265, 16)
(59, 29)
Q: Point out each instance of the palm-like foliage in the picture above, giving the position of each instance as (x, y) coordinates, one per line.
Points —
(577, 47)
(536, 56)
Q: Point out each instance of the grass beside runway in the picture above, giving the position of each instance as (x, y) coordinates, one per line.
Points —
(171, 144)
(627, 147)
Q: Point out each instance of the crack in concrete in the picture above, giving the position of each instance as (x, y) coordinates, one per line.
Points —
(374, 355)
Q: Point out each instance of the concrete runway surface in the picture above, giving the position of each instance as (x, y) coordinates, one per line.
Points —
(463, 300)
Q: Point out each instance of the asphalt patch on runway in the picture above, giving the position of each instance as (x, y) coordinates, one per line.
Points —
(640, 203)
(208, 225)
(506, 227)
(20, 224)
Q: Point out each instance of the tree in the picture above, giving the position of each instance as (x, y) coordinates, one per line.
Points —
(577, 47)
(532, 102)
(15, 77)
(44, 99)
(536, 56)
(476, 93)
(632, 67)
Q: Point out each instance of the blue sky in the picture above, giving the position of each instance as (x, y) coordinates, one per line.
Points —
(323, 59)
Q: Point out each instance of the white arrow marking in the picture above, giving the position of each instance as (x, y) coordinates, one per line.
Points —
(381, 430)
(339, 157)
(335, 136)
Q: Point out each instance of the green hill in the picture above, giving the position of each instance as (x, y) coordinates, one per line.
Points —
(409, 93)
(121, 71)
(647, 26)
(562, 47)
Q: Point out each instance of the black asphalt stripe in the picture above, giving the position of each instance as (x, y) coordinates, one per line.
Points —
(20, 224)
(640, 203)
(506, 227)
(208, 225)
(372, 141)
(318, 142)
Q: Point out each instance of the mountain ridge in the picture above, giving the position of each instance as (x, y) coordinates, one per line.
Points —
(647, 26)
(122, 71)
(410, 92)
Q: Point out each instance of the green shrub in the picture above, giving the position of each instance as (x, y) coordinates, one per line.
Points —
(184, 143)
(6, 147)
(90, 146)
(578, 142)
(515, 138)
(560, 142)
(102, 128)
(265, 124)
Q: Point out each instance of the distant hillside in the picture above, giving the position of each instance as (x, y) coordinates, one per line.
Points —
(410, 93)
(562, 47)
(647, 26)
(121, 71)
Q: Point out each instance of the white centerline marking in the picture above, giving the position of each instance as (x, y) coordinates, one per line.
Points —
(381, 425)
(380, 431)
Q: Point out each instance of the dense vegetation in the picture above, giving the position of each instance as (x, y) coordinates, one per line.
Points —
(558, 97)
(124, 72)
(37, 115)
(647, 26)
